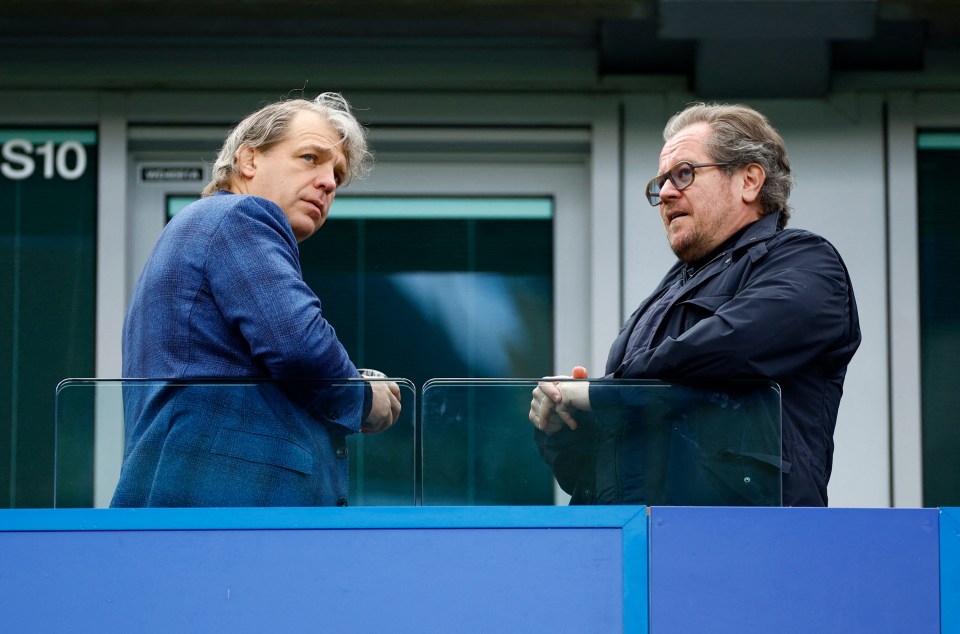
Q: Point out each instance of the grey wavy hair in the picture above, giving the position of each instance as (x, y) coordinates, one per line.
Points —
(742, 136)
(269, 126)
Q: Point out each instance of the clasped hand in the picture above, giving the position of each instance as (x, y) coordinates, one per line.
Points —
(384, 407)
(555, 398)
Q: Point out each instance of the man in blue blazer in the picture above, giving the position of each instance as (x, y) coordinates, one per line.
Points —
(746, 299)
(222, 296)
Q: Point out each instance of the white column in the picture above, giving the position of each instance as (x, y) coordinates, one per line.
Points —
(111, 290)
(904, 328)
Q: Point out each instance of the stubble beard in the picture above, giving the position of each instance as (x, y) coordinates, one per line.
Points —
(687, 245)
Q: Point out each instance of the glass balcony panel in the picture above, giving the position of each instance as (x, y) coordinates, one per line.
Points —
(93, 415)
(645, 442)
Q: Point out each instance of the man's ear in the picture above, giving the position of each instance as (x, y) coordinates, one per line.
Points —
(753, 178)
(246, 161)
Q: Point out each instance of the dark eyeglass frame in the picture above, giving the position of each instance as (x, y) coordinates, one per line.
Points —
(660, 179)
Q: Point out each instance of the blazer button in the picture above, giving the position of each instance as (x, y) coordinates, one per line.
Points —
(331, 412)
(342, 452)
(342, 502)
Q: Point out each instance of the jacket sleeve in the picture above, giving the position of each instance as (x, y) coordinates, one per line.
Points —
(793, 308)
(572, 454)
(255, 279)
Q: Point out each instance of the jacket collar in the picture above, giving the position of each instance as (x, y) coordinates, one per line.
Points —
(761, 230)
(754, 238)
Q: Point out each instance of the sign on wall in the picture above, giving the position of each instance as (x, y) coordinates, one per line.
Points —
(53, 155)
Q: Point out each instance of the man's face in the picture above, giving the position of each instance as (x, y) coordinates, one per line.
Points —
(699, 218)
(300, 174)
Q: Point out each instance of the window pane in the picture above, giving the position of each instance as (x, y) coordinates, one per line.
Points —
(938, 163)
(445, 287)
(177, 202)
(48, 188)
(463, 290)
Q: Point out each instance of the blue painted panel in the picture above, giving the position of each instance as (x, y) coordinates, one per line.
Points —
(396, 570)
(318, 517)
(950, 569)
(794, 570)
(636, 574)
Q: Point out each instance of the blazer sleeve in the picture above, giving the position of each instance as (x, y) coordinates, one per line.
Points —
(255, 279)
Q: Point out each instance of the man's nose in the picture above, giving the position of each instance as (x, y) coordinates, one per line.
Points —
(669, 190)
(325, 179)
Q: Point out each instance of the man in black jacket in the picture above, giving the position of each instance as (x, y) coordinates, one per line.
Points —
(747, 299)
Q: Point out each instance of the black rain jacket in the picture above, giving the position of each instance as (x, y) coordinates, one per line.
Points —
(778, 306)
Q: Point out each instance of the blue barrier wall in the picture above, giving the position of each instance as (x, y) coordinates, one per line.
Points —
(950, 569)
(461, 570)
(481, 569)
(724, 570)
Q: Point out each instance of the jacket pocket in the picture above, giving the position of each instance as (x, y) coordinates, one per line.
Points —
(262, 449)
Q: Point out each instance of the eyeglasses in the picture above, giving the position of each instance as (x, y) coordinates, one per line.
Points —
(681, 175)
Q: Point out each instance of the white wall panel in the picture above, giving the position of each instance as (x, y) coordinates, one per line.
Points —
(836, 149)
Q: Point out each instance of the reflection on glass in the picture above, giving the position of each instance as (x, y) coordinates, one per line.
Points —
(381, 466)
(646, 442)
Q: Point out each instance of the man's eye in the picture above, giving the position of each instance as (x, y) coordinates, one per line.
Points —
(310, 158)
(682, 173)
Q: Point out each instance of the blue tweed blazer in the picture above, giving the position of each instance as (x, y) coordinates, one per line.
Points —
(222, 295)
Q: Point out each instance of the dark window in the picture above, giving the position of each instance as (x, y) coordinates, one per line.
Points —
(446, 287)
(48, 210)
(938, 167)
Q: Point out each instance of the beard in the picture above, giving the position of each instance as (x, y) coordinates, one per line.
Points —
(689, 244)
